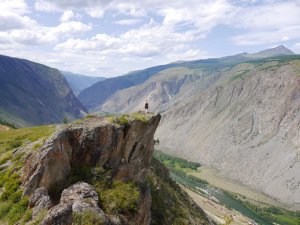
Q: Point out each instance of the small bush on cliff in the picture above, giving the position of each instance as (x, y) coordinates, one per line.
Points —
(140, 117)
(87, 218)
(127, 118)
(121, 120)
(121, 197)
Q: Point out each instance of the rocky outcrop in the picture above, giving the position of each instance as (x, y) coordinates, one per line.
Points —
(59, 215)
(125, 151)
(78, 198)
(40, 200)
(78, 176)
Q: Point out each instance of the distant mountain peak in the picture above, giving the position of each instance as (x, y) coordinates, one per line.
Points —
(279, 50)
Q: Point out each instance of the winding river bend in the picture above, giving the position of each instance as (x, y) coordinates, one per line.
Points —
(222, 197)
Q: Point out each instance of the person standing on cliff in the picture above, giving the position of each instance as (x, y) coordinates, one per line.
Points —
(146, 106)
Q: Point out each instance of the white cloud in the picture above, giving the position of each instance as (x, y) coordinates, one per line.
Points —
(39, 35)
(268, 36)
(128, 22)
(95, 8)
(271, 22)
(203, 15)
(10, 21)
(296, 48)
(149, 40)
(13, 6)
(12, 15)
(175, 32)
(67, 15)
(268, 16)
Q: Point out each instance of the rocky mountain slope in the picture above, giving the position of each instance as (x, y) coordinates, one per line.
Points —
(95, 95)
(238, 114)
(245, 125)
(176, 82)
(34, 94)
(94, 171)
(80, 82)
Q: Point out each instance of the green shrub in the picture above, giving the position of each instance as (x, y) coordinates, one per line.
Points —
(37, 145)
(11, 184)
(121, 120)
(5, 157)
(27, 217)
(65, 120)
(15, 143)
(87, 218)
(121, 197)
(169, 160)
(89, 116)
(4, 208)
(140, 117)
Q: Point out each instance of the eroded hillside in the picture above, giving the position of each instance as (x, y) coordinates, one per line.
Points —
(245, 125)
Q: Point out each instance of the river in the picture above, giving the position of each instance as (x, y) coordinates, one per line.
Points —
(222, 197)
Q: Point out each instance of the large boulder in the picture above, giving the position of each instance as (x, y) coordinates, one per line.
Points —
(83, 197)
(78, 198)
(59, 215)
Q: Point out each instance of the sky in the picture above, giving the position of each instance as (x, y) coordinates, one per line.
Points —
(112, 37)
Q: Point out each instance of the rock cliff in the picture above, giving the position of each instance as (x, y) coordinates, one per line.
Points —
(96, 171)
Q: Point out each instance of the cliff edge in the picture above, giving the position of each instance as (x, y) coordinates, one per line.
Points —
(97, 171)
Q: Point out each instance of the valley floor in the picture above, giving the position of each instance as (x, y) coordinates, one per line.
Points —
(218, 213)
(211, 176)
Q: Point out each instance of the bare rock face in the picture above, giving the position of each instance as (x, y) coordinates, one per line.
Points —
(82, 197)
(246, 126)
(40, 200)
(59, 215)
(125, 150)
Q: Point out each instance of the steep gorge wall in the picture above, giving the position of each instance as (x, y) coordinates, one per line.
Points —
(246, 126)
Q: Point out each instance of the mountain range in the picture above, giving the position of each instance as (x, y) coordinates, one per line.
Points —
(34, 94)
(238, 114)
(79, 82)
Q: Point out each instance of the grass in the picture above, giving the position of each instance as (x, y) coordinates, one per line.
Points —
(121, 197)
(17, 137)
(87, 218)
(128, 118)
(271, 213)
(14, 207)
(175, 162)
